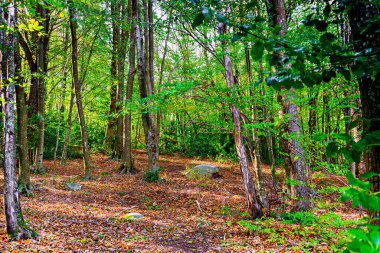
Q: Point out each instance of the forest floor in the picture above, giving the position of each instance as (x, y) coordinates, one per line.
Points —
(94, 218)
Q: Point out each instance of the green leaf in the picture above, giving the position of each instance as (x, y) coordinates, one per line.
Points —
(327, 9)
(257, 82)
(321, 25)
(353, 124)
(359, 234)
(327, 75)
(375, 238)
(345, 73)
(252, 4)
(347, 154)
(310, 79)
(273, 81)
(309, 21)
(257, 50)
(374, 203)
(221, 18)
(332, 149)
(370, 174)
(355, 155)
(198, 20)
(319, 137)
(207, 12)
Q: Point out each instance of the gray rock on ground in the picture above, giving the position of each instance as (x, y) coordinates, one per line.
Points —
(73, 186)
(203, 169)
(133, 216)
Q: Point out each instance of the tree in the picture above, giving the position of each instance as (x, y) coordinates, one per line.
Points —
(16, 226)
(276, 9)
(253, 194)
(366, 41)
(150, 129)
(77, 87)
(36, 51)
(127, 162)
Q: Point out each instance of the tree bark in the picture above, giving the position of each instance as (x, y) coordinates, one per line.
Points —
(276, 9)
(110, 131)
(16, 226)
(69, 126)
(256, 141)
(255, 207)
(150, 130)
(41, 105)
(127, 162)
(122, 50)
(24, 184)
(78, 95)
(361, 15)
(62, 92)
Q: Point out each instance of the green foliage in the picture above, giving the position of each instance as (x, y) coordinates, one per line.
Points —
(226, 210)
(304, 218)
(364, 240)
(152, 176)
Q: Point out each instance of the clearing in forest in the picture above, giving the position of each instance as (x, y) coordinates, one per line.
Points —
(178, 214)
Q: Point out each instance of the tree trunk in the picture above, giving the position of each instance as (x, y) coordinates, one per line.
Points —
(256, 141)
(122, 50)
(69, 126)
(110, 131)
(22, 135)
(297, 156)
(78, 95)
(16, 226)
(366, 39)
(312, 123)
(61, 93)
(253, 194)
(127, 162)
(276, 8)
(41, 106)
(149, 128)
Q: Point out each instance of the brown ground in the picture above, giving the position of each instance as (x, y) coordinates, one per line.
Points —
(93, 219)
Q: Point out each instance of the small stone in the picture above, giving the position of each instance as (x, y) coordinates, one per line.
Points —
(73, 186)
(133, 216)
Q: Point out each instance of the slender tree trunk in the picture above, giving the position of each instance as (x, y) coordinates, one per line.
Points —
(41, 61)
(61, 94)
(16, 226)
(69, 126)
(256, 141)
(22, 135)
(41, 107)
(297, 156)
(127, 162)
(122, 50)
(78, 95)
(295, 148)
(149, 128)
(312, 123)
(151, 45)
(268, 137)
(253, 194)
(110, 131)
(366, 39)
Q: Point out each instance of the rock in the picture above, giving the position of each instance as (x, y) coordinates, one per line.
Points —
(133, 216)
(203, 169)
(73, 186)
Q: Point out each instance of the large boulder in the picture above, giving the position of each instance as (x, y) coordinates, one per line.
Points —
(202, 170)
